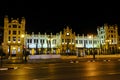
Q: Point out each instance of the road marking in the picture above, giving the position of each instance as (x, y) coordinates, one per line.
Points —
(28, 68)
(3, 68)
(35, 79)
(114, 73)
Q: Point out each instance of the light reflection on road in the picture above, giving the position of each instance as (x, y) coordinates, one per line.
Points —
(63, 71)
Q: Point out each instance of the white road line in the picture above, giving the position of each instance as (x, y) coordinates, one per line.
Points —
(28, 68)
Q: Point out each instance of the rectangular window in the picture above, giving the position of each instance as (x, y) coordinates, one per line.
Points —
(9, 38)
(43, 40)
(14, 26)
(90, 41)
(9, 26)
(14, 38)
(18, 38)
(62, 40)
(54, 41)
(14, 32)
(30, 40)
(76, 41)
(9, 32)
(19, 32)
(19, 26)
(36, 40)
(85, 41)
(27, 40)
(80, 41)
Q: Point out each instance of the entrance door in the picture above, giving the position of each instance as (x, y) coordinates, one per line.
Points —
(13, 52)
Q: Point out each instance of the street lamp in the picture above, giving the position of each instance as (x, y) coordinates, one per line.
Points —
(108, 44)
(42, 42)
(49, 43)
(92, 37)
(23, 46)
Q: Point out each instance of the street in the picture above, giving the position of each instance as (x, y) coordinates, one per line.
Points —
(84, 70)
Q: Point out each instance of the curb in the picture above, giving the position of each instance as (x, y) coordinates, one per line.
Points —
(5, 68)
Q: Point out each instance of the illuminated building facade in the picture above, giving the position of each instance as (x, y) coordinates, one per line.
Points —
(13, 41)
(68, 41)
(109, 38)
(65, 42)
(42, 43)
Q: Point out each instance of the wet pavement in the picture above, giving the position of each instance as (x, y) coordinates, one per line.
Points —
(70, 69)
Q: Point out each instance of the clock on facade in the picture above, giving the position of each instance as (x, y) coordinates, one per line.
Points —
(68, 33)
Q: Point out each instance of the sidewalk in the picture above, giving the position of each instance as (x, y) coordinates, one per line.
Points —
(65, 59)
(91, 56)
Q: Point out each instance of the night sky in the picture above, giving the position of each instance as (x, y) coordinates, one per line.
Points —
(54, 17)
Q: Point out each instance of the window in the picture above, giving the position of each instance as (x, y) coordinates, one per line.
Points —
(112, 36)
(9, 26)
(27, 40)
(80, 41)
(14, 32)
(76, 41)
(19, 32)
(41, 41)
(18, 38)
(54, 41)
(9, 38)
(85, 41)
(62, 40)
(111, 31)
(9, 32)
(90, 41)
(14, 38)
(19, 26)
(35, 40)
(14, 26)
(30, 40)
(94, 42)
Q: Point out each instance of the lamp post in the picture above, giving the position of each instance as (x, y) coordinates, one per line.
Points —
(36, 48)
(92, 45)
(41, 46)
(108, 45)
(49, 43)
(93, 48)
(23, 47)
(48, 48)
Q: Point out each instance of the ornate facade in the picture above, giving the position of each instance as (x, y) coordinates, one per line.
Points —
(13, 41)
(65, 42)
(109, 38)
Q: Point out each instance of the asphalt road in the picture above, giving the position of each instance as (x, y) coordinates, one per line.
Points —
(69, 70)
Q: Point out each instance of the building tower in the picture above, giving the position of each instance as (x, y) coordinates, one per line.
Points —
(108, 35)
(68, 41)
(13, 42)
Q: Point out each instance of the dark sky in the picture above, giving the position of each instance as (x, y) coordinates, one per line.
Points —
(53, 17)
